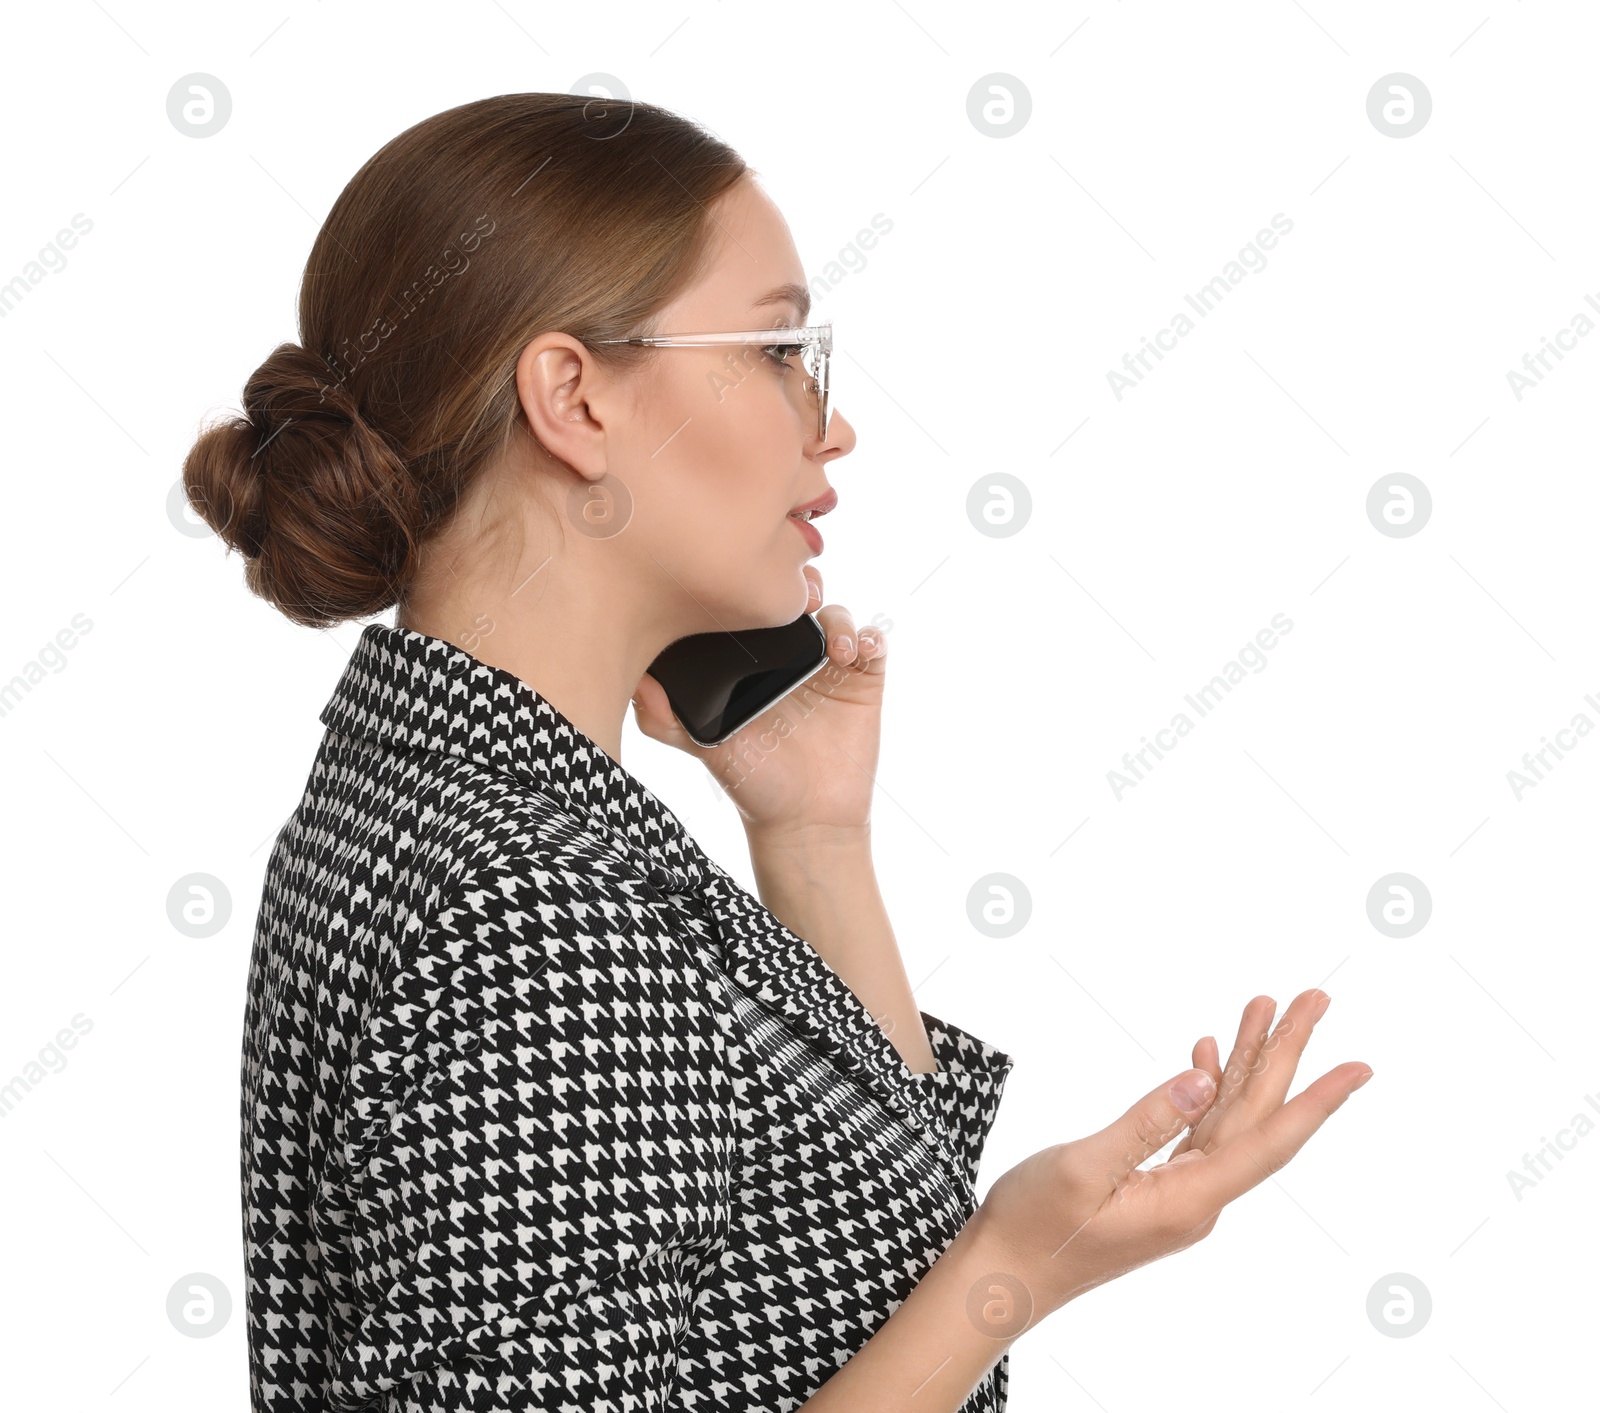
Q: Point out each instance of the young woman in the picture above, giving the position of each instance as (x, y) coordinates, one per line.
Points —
(541, 1109)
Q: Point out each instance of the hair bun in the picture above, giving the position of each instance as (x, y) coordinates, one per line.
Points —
(318, 502)
(294, 382)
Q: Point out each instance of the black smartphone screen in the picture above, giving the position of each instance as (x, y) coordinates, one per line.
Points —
(718, 683)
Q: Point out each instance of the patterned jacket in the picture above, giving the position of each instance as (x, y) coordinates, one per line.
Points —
(540, 1108)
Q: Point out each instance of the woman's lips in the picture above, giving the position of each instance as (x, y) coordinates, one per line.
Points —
(812, 538)
(821, 505)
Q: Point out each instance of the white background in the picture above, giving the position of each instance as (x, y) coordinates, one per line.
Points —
(1167, 528)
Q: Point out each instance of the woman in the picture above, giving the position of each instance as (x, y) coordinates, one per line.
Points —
(541, 1109)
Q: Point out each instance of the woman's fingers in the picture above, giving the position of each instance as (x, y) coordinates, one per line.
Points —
(1252, 1033)
(655, 717)
(1147, 1128)
(874, 648)
(814, 585)
(1262, 1067)
(1262, 1064)
(1204, 1056)
(865, 648)
(1253, 1027)
(840, 626)
(1274, 1067)
(1250, 1157)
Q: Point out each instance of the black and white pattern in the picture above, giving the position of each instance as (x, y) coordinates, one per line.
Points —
(541, 1109)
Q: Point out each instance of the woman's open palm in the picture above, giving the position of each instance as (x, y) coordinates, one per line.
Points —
(1078, 1214)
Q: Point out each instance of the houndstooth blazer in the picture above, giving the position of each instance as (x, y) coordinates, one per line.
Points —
(540, 1108)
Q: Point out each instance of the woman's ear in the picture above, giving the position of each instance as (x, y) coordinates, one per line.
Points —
(560, 387)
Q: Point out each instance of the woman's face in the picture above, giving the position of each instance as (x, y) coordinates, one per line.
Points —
(724, 444)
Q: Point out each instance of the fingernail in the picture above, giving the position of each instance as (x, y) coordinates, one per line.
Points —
(1191, 1091)
(842, 643)
(1364, 1078)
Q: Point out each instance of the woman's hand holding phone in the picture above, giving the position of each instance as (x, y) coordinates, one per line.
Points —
(805, 766)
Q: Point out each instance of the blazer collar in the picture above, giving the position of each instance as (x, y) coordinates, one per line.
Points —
(418, 692)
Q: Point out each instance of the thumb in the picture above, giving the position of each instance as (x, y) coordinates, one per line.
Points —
(650, 704)
(1151, 1124)
(652, 709)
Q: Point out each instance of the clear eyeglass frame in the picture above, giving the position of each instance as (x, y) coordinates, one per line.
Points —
(814, 343)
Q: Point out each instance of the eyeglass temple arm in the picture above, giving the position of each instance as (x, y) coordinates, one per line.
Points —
(814, 334)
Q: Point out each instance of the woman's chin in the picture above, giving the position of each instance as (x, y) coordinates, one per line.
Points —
(752, 611)
(785, 609)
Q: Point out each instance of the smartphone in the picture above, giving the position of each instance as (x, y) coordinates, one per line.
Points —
(718, 683)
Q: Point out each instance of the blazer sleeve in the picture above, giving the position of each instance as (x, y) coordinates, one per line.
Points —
(966, 1088)
(534, 1201)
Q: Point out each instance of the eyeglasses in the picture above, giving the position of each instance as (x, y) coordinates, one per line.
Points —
(814, 343)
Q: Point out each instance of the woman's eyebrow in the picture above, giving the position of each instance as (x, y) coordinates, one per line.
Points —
(791, 293)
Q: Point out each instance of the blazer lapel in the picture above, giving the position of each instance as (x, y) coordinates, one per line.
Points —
(785, 974)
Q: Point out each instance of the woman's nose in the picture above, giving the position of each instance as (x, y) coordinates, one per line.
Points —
(841, 435)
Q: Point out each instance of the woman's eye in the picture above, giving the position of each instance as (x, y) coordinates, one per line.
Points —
(782, 352)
